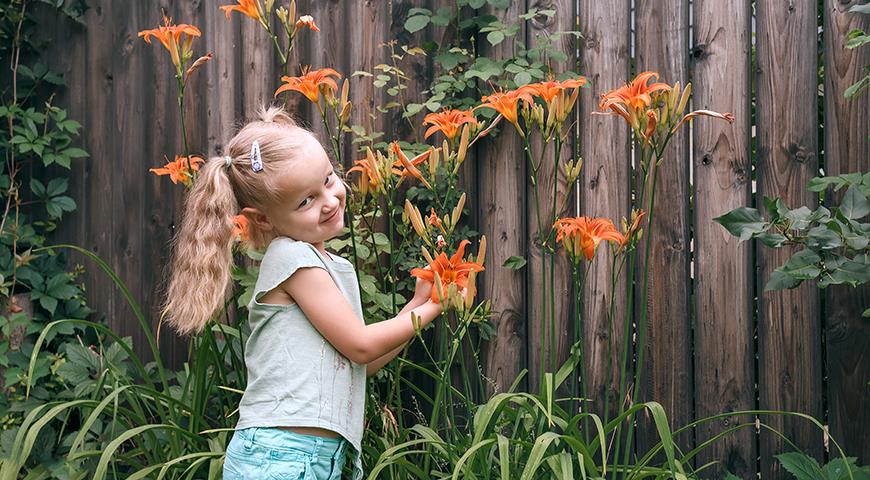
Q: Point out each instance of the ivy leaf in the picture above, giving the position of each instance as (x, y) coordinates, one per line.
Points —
(495, 37)
(500, 4)
(860, 9)
(476, 3)
(822, 238)
(522, 78)
(856, 88)
(855, 204)
(443, 17)
(416, 23)
(743, 222)
(514, 262)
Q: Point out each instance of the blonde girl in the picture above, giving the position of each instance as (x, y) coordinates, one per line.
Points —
(309, 350)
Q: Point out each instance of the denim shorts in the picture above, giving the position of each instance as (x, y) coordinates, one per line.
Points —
(278, 454)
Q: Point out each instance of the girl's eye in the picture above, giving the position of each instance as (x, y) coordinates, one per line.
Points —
(328, 178)
(305, 202)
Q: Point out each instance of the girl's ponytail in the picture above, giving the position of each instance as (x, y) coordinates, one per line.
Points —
(202, 253)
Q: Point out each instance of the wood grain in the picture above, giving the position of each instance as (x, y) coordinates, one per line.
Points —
(502, 205)
(549, 325)
(662, 46)
(846, 150)
(723, 337)
(604, 189)
(790, 376)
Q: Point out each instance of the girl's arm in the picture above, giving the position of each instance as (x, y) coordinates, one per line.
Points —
(373, 367)
(314, 290)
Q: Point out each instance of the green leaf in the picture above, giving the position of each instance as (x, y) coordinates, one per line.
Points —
(743, 222)
(75, 153)
(514, 262)
(522, 78)
(443, 17)
(850, 272)
(495, 37)
(476, 3)
(37, 188)
(866, 313)
(855, 204)
(56, 187)
(772, 240)
(822, 238)
(802, 466)
(803, 265)
(416, 23)
(860, 9)
(500, 4)
(856, 88)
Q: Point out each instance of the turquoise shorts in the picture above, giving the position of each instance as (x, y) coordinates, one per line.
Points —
(278, 454)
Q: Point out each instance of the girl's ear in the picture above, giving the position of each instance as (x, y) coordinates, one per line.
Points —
(258, 219)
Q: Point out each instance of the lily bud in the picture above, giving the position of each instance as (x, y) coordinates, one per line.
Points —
(434, 160)
(684, 100)
(463, 144)
(673, 96)
(344, 116)
(345, 88)
(481, 251)
(415, 321)
(439, 288)
(268, 4)
(427, 256)
(457, 212)
(281, 12)
(416, 220)
(471, 289)
(652, 120)
(453, 297)
(572, 170)
(198, 63)
(292, 13)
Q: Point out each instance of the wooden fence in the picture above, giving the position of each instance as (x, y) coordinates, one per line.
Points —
(716, 343)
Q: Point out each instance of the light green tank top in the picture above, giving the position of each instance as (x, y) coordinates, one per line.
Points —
(295, 376)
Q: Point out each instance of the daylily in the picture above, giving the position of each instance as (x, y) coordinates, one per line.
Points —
(631, 232)
(242, 228)
(434, 220)
(630, 100)
(170, 36)
(450, 271)
(306, 21)
(553, 93)
(448, 122)
(371, 177)
(404, 167)
(311, 83)
(250, 8)
(583, 234)
(506, 104)
(709, 113)
(178, 170)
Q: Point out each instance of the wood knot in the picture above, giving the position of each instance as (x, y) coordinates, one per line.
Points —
(699, 52)
(740, 175)
(677, 246)
(799, 153)
(706, 159)
(838, 332)
(503, 237)
(540, 21)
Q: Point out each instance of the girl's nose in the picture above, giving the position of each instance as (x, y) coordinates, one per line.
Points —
(332, 204)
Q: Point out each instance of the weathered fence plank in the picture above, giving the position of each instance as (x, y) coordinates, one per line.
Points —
(723, 341)
(662, 46)
(846, 150)
(549, 278)
(502, 177)
(788, 321)
(604, 191)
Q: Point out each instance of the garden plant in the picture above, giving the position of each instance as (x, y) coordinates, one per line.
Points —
(85, 405)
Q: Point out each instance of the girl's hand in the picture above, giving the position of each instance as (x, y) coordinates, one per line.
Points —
(422, 291)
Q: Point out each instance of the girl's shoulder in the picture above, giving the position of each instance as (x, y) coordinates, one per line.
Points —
(283, 248)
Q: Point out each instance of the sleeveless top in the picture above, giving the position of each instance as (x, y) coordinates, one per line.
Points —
(295, 376)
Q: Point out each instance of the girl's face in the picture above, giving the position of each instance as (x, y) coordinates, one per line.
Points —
(312, 207)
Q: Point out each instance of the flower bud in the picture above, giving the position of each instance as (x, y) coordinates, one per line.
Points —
(268, 4)
(291, 15)
(463, 144)
(281, 12)
(457, 211)
(471, 289)
(481, 251)
(434, 160)
(344, 116)
(684, 100)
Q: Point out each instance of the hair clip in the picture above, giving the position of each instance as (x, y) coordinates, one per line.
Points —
(256, 159)
(229, 161)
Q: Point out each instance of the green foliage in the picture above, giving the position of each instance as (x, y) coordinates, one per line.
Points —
(836, 240)
(854, 39)
(37, 143)
(804, 467)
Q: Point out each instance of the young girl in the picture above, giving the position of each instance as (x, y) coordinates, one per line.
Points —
(309, 349)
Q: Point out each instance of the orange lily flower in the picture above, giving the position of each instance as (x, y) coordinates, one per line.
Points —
(242, 228)
(548, 90)
(410, 166)
(170, 36)
(306, 21)
(177, 169)
(448, 122)
(635, 94)
(451, 271)
(369, 168)
(506, 103)
(630, 231)
(311, 83)
(250, 8)
(583, 234)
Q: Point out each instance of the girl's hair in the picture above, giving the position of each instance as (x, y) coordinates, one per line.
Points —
(202, 253)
